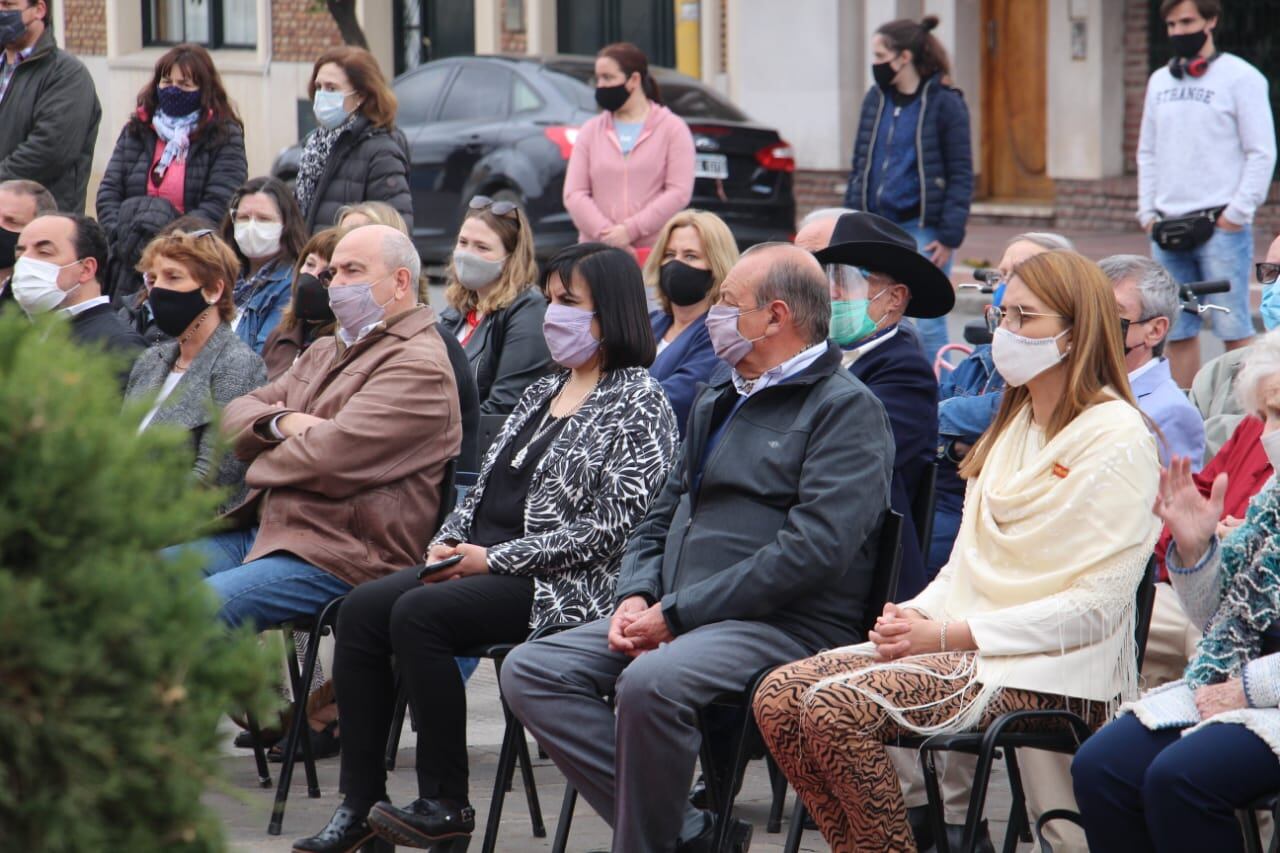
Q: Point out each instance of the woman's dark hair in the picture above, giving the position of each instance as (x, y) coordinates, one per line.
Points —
(927, 53)
(1207, 8)
(377, 102)
(632, 60)
(294, 235)
(216, 110)
(617, 289)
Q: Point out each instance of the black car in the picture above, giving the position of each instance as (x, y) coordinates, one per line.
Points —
(505, 127)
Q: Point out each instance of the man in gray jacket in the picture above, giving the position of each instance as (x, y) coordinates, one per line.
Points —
(758, 550)
(49, 110)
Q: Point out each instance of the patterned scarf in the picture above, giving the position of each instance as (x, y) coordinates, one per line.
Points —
(315, 157)
(1250, 603)
(176, 133)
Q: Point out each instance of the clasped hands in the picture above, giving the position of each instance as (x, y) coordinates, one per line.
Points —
(475, 561)
(637, 627)
(902, 632)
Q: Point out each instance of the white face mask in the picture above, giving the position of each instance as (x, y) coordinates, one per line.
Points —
(35, 285)
(1020, 359)
(258, 239)
(1271, 447)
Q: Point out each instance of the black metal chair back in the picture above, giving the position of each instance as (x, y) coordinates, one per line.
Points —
(922, 507)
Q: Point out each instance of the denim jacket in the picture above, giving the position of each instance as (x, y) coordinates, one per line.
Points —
(268, 293)
(968, 398)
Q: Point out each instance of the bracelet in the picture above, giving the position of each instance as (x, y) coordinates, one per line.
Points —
(943, 637)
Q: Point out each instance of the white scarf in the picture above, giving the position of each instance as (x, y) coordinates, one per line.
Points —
(176, 133)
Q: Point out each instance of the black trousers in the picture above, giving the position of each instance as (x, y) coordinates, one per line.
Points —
(423, 625)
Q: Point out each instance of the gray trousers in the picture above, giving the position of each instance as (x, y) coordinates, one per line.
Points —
(635, 767)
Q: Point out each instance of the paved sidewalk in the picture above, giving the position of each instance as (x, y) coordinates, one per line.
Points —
(246, 807)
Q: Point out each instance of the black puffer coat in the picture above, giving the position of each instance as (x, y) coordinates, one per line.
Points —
(139, 220)
(367, 164)
(216, 167)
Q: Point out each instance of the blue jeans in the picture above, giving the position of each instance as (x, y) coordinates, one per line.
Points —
(266, 592)
(1140, 790)
(933, 332)
(1228, 255)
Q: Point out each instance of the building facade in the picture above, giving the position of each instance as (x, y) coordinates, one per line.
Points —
(1054, 87)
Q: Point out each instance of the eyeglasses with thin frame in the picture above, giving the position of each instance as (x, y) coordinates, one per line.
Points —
(499, 208)
(1267, 273)
(1014, 314)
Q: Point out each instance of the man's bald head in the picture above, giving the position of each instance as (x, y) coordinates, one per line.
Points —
(789, 274)
(373, 253)
(816, 228)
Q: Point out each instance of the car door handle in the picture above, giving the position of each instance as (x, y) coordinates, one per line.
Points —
(472, 145)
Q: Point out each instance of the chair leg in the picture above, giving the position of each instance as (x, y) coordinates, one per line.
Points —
(737, 767)
(1252, 832)
(977, 800)
(929, 770)
(397, 726)
(778, 782)
(259, 754)
(530, 788)
(1019, 825)
(297, 732)
(506, 767)
(796, 830)
(561, 843)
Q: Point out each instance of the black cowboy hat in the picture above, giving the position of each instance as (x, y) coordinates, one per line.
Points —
(876, 244)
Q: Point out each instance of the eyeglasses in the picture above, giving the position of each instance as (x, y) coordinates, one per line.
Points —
(499, 208)
(1014, 314)
(1267, 273)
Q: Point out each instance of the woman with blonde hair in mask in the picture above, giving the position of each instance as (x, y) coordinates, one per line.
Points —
(495, 307)
(1034, 609)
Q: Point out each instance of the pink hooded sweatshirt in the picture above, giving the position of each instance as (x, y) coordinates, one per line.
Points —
(641, 190)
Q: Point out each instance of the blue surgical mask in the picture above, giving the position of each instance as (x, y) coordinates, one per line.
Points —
(329, 108)
(1270, 308)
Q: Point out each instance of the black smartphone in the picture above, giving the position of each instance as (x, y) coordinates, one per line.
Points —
(432, 568)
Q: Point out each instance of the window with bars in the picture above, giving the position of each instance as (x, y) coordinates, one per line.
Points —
(212, 23)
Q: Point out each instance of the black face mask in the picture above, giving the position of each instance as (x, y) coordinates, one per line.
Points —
(682, 284)
(883, 73)
(8, 243)
(175, 310)
(612, 98)
(311, 303)
(12, 27)
(1187, 45)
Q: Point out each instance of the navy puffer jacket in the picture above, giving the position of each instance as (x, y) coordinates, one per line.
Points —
(943, 156)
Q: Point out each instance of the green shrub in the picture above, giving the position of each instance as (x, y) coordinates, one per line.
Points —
(113, 669)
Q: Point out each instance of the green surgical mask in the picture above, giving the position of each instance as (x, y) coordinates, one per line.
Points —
(850, 322)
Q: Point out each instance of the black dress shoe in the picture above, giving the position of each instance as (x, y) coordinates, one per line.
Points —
(955, 838)
(346, 832)
(921, 827)
(438, 825)
(704, 842)
(324, 744)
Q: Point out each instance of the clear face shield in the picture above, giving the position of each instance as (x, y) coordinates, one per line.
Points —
(846, 283)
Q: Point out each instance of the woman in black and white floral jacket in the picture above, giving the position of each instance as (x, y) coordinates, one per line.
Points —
(540, 536)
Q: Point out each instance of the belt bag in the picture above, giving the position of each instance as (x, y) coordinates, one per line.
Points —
(1184, 233)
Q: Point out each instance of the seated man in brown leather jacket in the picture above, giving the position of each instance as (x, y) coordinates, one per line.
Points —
(346, 451)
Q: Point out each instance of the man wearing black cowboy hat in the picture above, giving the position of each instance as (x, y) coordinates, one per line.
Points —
(876, 277)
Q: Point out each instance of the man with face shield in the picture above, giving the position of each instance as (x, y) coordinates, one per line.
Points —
(876, 277)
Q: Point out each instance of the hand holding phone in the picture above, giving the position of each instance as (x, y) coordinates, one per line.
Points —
(432, 568)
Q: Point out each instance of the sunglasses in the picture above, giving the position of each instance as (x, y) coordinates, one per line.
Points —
(499, 208)
(1267, 273)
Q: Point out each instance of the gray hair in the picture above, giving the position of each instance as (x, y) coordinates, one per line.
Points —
(822, 214)
(1046, 240)
(802, 286)
(1261, 362)
(45, 202)
(398, 251)
(1156, 288)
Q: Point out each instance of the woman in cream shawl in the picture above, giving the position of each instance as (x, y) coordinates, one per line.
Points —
(1035, 607)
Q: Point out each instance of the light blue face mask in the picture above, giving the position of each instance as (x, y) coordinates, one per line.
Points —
(1270, 307)
(329, 108)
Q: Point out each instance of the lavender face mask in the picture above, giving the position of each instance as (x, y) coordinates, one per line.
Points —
(568, 333)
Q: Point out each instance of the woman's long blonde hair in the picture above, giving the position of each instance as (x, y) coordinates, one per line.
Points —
(1071, 285)
(519, 273)
(717, 244)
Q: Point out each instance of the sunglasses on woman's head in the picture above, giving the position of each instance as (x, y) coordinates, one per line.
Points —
(499, 208)
(1267, 273)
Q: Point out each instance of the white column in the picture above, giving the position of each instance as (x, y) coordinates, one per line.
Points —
(1086, 95)
(540, 26)
(710, 45)
(376, 20)
(488, 26)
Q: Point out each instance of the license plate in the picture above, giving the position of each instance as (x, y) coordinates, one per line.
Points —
(713, 166)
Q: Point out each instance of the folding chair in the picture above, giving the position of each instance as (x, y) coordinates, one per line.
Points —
(922, 507)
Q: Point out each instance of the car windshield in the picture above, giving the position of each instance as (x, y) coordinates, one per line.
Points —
(686, 98)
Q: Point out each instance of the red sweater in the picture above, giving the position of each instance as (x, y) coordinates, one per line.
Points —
(1247, 467)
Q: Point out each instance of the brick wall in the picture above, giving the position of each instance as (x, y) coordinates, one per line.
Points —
(816, 189)
(301, 30)
(1135, 76)
(86, 23)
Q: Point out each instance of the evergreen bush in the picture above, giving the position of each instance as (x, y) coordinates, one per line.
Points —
(113, 669)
